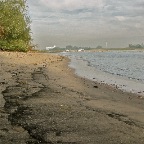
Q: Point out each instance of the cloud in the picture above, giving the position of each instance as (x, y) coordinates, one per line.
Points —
(140, 4)
(120, 18)
(72, 21)
(72, 4)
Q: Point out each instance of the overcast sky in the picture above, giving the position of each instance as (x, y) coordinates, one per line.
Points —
(87, 22)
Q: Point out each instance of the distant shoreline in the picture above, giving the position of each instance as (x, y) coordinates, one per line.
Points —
(57, 49)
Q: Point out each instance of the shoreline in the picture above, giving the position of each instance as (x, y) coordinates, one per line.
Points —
(130, 81)
(45, 102)
(120, 82)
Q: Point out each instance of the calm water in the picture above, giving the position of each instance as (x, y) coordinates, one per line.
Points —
(122, 69)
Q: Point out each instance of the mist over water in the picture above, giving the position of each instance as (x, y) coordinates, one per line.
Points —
(124, 69)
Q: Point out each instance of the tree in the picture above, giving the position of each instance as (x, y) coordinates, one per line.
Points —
(14, 25)
(69, 47)
(99, 47)
(136, 46)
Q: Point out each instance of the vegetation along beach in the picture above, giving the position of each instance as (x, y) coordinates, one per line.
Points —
(44, 101)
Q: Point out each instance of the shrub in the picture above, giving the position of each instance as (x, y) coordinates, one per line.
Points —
(14, 26)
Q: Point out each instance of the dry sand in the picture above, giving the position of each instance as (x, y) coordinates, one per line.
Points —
(42, 101)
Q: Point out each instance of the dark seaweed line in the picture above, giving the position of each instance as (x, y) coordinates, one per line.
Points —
(21, 111)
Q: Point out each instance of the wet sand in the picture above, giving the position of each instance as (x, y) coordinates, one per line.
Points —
(43, 101)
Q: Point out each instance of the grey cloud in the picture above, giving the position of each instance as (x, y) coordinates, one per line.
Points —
(139, 4)
(77, 11)
(66, 24)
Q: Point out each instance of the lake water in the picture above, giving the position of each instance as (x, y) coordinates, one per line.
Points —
(122, 69)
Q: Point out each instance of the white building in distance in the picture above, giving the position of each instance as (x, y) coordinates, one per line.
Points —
(81, 50)
(48, 48)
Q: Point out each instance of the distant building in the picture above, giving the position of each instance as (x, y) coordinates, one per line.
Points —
(80, 50)
(48, 48)
(67, 50)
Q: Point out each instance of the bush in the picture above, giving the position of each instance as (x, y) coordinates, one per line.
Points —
(14, 26)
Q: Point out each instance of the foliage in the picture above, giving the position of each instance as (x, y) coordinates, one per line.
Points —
(69, 47)
(136, 46)
(99, 47)
(14, 25)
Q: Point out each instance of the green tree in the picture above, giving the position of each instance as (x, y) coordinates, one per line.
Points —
(14, 25)
(99, 47)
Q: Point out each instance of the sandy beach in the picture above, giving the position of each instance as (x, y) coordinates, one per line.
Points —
(43, 101)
